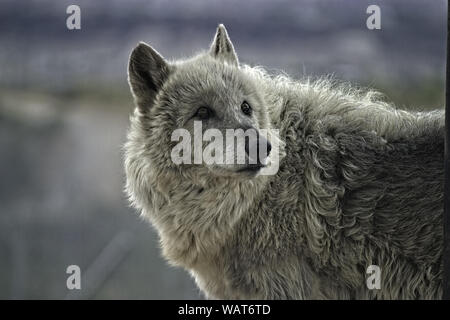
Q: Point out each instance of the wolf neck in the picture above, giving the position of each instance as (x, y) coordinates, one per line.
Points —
(196, 219)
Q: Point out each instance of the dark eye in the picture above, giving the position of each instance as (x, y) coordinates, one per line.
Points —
(246, 109)
(203, 113)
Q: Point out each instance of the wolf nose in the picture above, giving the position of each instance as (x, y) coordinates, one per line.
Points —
(261, 155)
(269, 148)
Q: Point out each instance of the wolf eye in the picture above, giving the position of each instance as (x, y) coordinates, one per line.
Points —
(246, 109)
(203, 113)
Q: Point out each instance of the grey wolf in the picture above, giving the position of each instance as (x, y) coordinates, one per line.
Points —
(360, 182)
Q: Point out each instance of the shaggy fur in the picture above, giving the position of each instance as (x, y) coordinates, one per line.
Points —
(359, 183)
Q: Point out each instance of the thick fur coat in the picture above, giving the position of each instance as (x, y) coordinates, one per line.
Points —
(359, 183)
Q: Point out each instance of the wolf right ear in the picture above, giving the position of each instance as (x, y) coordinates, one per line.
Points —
(222, 48)
(147, 72)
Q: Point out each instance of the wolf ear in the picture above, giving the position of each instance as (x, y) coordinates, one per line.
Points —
(222, 48)
(147, 72)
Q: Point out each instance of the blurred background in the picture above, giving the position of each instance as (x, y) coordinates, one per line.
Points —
(65, 102)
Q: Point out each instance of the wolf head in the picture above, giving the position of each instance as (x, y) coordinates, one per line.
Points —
(187, 106)
(203, 113)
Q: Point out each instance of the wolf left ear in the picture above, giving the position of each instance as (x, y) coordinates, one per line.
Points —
(147, 72)
(222, 48)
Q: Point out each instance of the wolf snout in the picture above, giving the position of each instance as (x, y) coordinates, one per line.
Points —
(257, 151)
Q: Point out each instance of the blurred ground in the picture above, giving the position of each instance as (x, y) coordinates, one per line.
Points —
(64, 107)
